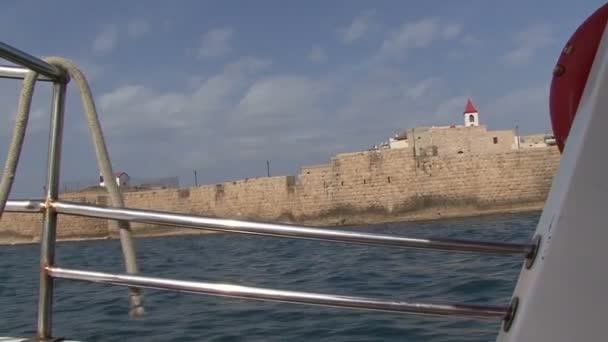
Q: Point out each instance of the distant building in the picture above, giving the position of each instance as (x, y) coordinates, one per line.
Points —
(397, 143)
(441, 141)
(472, 137)
(121, 178)
(471, 115)
(535, 141)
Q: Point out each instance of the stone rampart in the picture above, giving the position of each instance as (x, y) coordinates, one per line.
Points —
(362, 187)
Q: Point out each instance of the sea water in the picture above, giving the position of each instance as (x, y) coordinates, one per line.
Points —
(93, 312)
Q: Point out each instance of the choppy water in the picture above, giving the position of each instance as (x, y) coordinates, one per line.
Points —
(92, 312)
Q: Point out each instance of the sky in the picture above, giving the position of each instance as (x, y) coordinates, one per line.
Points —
(221, 87)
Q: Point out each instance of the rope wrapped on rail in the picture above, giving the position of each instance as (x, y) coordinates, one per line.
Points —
(103, 160)
(15, 147)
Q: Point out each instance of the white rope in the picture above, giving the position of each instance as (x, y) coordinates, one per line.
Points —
(103, 160)
(14, 149)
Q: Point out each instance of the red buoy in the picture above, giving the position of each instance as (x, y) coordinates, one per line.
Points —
(571, 73)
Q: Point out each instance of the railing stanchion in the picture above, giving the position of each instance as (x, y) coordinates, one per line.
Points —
(47, 242)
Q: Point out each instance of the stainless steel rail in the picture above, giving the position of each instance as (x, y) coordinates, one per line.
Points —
(237, 291)
(30, 62)
(25, 206)
(284, 230)
(15, 72)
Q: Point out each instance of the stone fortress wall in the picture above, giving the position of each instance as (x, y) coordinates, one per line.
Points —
(458, 179)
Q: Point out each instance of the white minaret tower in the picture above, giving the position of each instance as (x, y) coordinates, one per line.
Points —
(471, 116)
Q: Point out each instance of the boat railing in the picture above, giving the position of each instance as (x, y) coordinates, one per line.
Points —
(51, 206)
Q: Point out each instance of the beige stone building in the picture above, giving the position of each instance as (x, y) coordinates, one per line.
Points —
(535, 141)
(469, 138)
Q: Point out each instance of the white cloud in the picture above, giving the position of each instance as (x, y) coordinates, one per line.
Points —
(133, 106)
(418, 34)
(451, 31)
(527, 43)
(470, 39)
(218, 94)
(450, 111)
(37, 121)
(137, 28)
(317, 55)
(40, 110)
(241, 113)
(138, 107)
(92, 70)
(526, 106)
(216, 42)
(384, 101)
(357, 28)
(168, 25)
(106, 39)
(423, 88)
(283, 96)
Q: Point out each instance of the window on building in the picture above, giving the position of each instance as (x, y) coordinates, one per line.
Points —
(495, 140)
(471, 118)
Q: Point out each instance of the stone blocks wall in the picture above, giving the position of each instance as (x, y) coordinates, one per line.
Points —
(355, 187)
(449, 141)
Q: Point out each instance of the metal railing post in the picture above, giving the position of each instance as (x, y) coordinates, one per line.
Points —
(47, 240)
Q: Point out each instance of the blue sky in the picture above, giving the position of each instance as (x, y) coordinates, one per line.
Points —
(223, 86)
